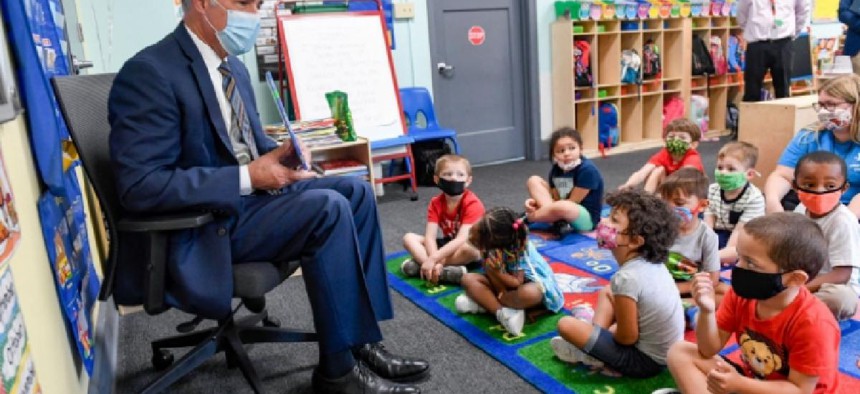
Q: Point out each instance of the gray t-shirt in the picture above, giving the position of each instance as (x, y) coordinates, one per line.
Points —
(661, 316)
(697, 249)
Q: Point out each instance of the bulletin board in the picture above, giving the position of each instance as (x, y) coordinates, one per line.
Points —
(346, 52)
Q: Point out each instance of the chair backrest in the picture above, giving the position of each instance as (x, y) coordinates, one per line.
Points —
(83, 101)
(415, 101)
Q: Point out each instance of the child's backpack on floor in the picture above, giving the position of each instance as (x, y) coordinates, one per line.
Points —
(702, 62)
(650, 60)
(673, 108)
(736, 48)
(699, 112)
(426, 153)
(718, 56)
(607, 125)
(582, 63)
(630, 66)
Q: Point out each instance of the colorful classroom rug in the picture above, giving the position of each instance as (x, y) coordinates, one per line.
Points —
(581, 269)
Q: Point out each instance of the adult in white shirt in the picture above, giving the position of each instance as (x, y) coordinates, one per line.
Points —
(769, 27)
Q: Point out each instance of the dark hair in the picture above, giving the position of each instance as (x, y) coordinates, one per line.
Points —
(561, 133)
(821, 157)
(793, 241)
(650, 218)
(495, 230)
(687, 179)
(684, 125)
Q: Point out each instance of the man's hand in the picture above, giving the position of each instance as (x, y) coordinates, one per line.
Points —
(721, 379)
(288, 154)
(703, 292)
(267, 172)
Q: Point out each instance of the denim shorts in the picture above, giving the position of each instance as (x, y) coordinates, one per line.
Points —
(628, 360)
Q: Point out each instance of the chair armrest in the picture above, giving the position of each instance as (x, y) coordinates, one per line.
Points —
(170, 222)
(156, 228)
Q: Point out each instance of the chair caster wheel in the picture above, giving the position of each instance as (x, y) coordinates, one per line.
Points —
(413, 198)
(271, 322)
(161, 359)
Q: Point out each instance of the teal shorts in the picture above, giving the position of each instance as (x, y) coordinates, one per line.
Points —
(583, 221)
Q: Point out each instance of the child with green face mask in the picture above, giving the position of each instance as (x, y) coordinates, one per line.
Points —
(733, 200)
(682, 138)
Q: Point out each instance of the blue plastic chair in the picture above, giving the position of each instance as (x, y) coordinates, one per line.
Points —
(415, 101)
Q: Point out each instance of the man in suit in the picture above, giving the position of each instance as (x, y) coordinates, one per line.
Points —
(186, 135)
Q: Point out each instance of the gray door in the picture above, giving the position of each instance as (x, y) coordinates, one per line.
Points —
(74, 39)
(478, 81)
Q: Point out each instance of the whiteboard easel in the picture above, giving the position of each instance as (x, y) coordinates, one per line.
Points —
(347, 52)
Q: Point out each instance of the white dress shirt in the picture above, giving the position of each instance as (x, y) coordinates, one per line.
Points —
(759, 22)
(212, 61)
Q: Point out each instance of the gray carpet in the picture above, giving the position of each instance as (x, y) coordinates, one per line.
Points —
(457, 366)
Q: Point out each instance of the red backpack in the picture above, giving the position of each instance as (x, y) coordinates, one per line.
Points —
(582, 63)
(718, 56)
(673, 109)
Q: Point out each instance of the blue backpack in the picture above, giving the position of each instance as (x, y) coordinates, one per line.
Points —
(607, 125)
(736, 53)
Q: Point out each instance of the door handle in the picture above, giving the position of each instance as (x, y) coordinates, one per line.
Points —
(444, 68)
(78, 65)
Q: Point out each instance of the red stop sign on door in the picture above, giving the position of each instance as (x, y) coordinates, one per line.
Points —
(477, 35)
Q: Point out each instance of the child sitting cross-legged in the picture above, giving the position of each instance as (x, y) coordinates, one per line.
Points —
(639, 315)
(789, 341)
(820, 180)
(516, 277)
(682, 138)
(452, 212)
(732, 199)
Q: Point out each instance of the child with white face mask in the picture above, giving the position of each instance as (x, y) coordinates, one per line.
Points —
(572, 197)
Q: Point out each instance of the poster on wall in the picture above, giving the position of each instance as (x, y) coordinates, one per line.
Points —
(10, 230)
(64, 230)
(17, 371)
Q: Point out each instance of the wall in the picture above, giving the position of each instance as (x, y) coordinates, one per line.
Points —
(34, 282)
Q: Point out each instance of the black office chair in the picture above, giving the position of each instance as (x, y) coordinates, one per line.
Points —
(83, 102)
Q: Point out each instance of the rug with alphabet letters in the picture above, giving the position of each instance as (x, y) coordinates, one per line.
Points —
(581, 269)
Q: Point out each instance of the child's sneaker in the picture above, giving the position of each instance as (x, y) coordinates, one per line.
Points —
(582, 312)
(452, 274)
(512, 319)
(465, 304)
(410, 268)
(565, 351)
(562, 227)
(691, 316)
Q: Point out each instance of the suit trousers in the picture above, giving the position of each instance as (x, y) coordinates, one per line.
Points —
(761, 56)
(332, 226)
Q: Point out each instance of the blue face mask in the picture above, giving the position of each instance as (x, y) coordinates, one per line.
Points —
(240, 34)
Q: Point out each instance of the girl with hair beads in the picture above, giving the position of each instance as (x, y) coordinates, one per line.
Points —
(516, 277)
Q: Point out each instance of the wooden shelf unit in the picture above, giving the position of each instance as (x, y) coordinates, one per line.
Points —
(640, 107)
(358, 150)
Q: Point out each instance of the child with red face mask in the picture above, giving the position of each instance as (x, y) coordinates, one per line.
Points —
(820, 180)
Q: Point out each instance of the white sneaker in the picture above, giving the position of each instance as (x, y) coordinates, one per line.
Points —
(565, 351)
(410, 268)
(465, 304)
(512, 319)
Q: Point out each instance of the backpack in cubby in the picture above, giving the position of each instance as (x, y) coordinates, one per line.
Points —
(630, 66)
(718, 56)
(699, 111)
(702, 62)
(582, 63)
(736, 47)
(673, 108)
(650, 60)
(607, 125)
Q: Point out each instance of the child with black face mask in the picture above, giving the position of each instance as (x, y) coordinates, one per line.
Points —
(572, 197)
(453, 212)
(820, 180)
(788, 339)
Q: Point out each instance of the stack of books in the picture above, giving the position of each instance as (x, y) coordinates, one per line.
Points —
(340, 167)
(314, 133)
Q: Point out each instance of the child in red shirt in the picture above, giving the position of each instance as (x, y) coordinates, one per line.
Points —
(788, 338)
(453, 211)
(682, 138)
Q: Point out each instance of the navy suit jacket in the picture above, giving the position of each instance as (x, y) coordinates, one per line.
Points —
(171, 153)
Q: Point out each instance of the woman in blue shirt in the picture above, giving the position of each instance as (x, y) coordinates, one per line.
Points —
(837, 131)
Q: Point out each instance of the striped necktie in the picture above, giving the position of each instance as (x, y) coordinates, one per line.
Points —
(240, 118)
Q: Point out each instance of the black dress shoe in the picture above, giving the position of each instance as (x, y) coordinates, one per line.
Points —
(360, 380)
(389, 366)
